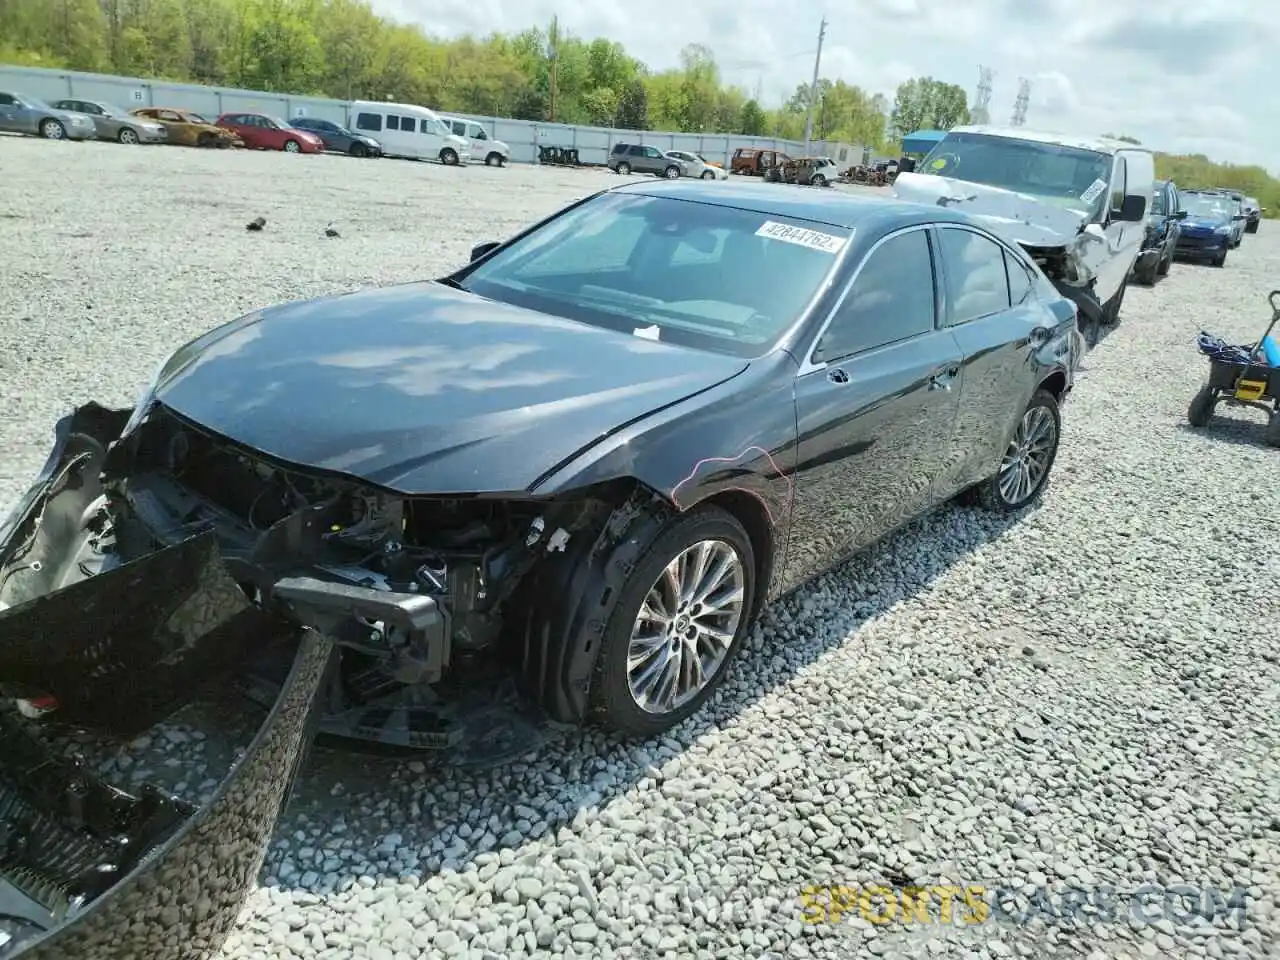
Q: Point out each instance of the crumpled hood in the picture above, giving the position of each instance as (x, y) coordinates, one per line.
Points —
(1019, 216)
(421, 388)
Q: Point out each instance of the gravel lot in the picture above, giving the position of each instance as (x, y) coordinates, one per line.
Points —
(1084, 698)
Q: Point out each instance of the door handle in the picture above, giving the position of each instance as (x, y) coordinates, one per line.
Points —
(836, 375)
(943, 379)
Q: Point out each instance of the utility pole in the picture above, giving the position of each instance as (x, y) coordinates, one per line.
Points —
(813, 87)
(553, 44)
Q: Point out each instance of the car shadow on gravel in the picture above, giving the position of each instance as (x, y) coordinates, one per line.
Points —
(1242, 429)
(355, 815)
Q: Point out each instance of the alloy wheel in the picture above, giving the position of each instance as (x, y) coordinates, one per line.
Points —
(1028, 457)
(686, 626)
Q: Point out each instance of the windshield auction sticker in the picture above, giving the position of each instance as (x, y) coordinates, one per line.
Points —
(813, 239)
(1094, 191)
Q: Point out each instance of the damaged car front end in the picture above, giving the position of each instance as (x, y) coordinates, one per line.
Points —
(1077, 206)
(113, 643)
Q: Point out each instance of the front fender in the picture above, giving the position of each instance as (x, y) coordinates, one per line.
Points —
(737, 438)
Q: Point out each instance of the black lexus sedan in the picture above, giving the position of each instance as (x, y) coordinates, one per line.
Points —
(337, 138)
(579, 465)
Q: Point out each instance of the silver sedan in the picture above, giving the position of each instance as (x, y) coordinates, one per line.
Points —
(20, 113)
(112, 123)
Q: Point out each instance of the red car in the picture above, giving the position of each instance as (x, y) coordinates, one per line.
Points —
(261, 132)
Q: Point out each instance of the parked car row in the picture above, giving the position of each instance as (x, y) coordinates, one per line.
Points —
(402, 130)
(626, 158)
(1196, 225)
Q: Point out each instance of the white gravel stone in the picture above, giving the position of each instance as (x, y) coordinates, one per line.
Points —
(1086, 696)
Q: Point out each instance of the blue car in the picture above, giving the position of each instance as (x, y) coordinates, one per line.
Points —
(1210, 227)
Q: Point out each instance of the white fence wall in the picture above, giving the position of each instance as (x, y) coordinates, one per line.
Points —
(523, 136)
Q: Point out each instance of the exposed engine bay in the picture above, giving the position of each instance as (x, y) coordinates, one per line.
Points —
(424, 596)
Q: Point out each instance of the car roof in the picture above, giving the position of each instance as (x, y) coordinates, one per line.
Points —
(834, 208)
(1100, 144)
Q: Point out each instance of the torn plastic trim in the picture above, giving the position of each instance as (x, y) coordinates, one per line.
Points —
(183, 897)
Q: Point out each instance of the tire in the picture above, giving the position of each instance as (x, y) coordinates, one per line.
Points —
(615, 701)
(1200, 411)
(1273, 429)
(1165, 263)
(292, 146)
(494, 159)
(1251, 227)
(624, 169)
(1111, 309)
(53, 129)
(707, 175)
(672, 172)
(358, 149)
(1220, 261)
(449, 157)
(206, 140)
(1035, 443)
(1148, 278)
(128, 135)
(818, 180)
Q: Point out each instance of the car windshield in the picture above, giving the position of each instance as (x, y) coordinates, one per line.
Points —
(700, 275)
(278, 122)
(1212, 208)
(1071, 174)
(33, 102)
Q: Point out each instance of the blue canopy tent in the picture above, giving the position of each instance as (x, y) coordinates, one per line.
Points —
(922, 141)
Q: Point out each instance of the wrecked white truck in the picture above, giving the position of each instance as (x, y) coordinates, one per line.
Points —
(1077, 205)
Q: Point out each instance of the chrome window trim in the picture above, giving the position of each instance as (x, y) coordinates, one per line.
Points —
(809, 365)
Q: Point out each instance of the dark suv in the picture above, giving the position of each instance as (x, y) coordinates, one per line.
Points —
(629, 157)
(1164, 226)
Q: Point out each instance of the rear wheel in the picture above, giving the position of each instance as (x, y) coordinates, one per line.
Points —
(449, 157)
(127, 135)
(676, 624)
(53, 130)
(1028, 459)
(1273, 429)
(1200, 411)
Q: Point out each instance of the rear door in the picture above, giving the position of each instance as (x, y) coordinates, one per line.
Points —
(998, 321)
(875, 406)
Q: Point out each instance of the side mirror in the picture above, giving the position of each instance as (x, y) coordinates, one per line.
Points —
(1241, 216)
(1133, 210)
(1180, 215)
(483, 249)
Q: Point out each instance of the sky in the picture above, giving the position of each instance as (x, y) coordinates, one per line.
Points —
(1184, 76)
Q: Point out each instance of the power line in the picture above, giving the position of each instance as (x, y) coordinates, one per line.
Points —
(813, 87)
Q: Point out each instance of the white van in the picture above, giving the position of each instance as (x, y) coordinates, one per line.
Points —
(410, 132)
(1077, 204)
(493, 152)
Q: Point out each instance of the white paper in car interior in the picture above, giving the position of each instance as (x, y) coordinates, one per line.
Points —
(813, 239)
(1094, 191)
(648, 333)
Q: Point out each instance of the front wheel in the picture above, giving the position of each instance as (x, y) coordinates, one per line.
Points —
(53, 130)
(449, 157)
(624, 169)
(1165, 263)
(292, 146)
(494, 159)
(359, 150)
(1221, 260)
(818, 180)
(128, 136)
(1028, 459)
(676, 624)
(672, 172)
(708, 175)
(1200, 410)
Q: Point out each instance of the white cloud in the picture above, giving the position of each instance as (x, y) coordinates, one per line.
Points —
(1181, 75)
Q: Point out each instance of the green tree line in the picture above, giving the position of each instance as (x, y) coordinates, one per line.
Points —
(1195, 171)
(342, 49)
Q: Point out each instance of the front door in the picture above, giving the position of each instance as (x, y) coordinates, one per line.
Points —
(1123, 239)
(876, 417)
